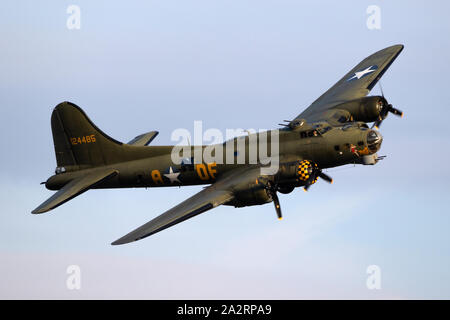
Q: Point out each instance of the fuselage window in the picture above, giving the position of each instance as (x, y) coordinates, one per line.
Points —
(324, 130)
(310, 134)
(59, 170)
(187, 164)
(342, 119)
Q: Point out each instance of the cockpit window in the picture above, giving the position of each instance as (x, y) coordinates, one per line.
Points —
(324, 130)
(342, 119)
(347, 126)
(364, 125)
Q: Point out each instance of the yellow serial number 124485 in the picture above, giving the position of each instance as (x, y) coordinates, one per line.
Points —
(83, 139)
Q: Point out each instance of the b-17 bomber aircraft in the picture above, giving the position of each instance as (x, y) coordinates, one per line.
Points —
(332, 131)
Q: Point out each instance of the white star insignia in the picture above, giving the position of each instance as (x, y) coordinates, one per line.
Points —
(362, 73)
(173, 176)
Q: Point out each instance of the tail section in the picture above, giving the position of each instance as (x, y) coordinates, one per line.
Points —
(78, 142)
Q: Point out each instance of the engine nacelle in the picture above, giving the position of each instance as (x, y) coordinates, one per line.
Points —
(366, 109)
(289, 176)
(256, 194)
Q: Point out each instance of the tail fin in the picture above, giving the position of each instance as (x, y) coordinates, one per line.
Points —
(78, 142)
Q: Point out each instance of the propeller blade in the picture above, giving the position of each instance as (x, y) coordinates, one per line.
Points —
(311, 179)
(377, 124)
(314, 175)
(272, 190)
(381, 89)
(326, 177)
(396, 111)
(276, 203)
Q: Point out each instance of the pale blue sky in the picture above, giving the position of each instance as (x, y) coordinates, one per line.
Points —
(159, 65)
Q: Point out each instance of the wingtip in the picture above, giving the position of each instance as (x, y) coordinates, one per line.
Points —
(398, 47)
(124, 240)
(39, 211)
(121, 241)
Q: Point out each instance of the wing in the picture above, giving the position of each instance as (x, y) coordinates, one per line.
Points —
(203, 201)
(74, 188)
(355, 84)
(216, 194)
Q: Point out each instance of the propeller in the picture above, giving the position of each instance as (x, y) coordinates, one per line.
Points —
(272, 187)
(385, 109)
(316, 173)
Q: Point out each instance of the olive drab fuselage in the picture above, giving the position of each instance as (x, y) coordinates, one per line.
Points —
(326, 146)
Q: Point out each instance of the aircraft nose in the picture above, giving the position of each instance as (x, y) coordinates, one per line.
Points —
(374, 140)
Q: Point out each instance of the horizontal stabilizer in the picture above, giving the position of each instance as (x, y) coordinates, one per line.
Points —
(75, 187)
(144, 139)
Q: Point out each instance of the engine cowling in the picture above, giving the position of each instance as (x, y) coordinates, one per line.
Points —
(366, 109)
(294, 174)
(255, 194)
(286, 188)
(305, 169)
